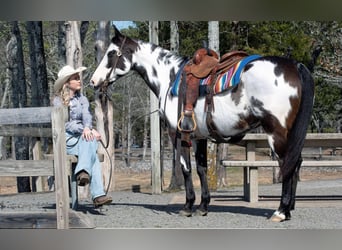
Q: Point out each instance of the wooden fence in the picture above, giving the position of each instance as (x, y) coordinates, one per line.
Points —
(254, 141)
(23, 122)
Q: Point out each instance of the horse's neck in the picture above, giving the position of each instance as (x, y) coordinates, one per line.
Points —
(156, 65)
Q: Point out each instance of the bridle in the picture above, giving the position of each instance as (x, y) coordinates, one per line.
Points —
(118, 54)
(103, 93)
(103, 96)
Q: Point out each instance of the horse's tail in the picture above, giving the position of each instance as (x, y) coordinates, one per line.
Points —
(298, 131)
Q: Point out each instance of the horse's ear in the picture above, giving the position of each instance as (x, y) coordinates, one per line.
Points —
(116, 31)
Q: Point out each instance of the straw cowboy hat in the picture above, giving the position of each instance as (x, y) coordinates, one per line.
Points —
(64, 74)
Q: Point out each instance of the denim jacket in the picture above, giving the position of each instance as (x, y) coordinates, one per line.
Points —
(79, 113)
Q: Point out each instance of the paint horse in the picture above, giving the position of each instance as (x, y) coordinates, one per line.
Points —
(275, 93)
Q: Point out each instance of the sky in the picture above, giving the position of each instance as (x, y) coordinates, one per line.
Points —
(123, 24)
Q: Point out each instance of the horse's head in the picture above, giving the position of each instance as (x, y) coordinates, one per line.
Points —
(116, 62)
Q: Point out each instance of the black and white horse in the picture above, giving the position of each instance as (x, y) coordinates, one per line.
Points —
(274, 92)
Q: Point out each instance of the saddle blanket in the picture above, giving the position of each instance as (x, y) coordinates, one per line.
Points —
(224, 81)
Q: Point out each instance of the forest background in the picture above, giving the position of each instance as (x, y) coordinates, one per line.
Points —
(33, 52)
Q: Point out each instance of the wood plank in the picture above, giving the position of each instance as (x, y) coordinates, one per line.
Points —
(42, 220)
(71, 158)
(309, 136)
(311, 140)
(26, 168)
(275, 163)
(25, 115)
(27, 131)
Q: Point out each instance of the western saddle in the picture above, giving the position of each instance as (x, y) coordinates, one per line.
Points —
(204, 63)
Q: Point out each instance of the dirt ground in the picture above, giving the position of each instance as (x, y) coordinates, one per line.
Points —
(125, 179)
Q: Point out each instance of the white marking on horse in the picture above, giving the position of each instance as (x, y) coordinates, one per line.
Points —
(274, 97)
(183, 162)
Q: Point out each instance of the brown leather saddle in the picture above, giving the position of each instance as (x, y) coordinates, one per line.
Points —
(202, 63)
(205, 62)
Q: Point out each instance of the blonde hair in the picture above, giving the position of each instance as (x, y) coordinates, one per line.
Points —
(64, 94)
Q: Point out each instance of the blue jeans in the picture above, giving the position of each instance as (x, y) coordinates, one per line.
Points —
(87, 161)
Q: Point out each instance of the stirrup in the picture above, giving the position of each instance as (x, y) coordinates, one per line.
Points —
(181, 119)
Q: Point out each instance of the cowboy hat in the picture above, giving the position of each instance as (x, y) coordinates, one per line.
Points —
(64, 74)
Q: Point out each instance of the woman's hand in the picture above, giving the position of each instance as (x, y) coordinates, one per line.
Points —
(87, 134)
(90, 134)
(96, 134)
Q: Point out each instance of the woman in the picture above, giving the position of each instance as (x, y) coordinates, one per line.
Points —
(82, 138)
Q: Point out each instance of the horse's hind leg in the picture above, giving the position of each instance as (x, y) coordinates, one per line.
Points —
(288, 195)
(201, 163)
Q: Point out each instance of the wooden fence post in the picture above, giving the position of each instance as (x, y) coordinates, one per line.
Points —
(212, 168)
(251, 175)
(58, 117)
(155, 126)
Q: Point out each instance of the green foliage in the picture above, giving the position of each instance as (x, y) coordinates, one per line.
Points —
(191, 36)
(284, 38)
(327, 107)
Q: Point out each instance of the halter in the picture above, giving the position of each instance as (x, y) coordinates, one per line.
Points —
(104, 87)
(117, 56)
(103, 92)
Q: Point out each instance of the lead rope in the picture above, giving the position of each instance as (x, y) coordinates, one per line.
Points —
(110, 159)
(111, 167)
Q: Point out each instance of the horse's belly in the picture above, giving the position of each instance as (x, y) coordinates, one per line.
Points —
(227, 117)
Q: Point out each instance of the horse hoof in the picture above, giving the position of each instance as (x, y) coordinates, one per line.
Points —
(278, 217)
(201, 213)
(186, 213)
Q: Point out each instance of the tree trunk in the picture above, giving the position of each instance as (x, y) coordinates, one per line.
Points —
(129, 120)
(177, 179)
(155, 124)
(174, 36)
(222, 153)
(4, 140)
(145, 143)
(39, 82)
(19, 98)
(104, 113)
(83, 31)
(74, 58)
(61, 43)
(213, 164)
(214, 36)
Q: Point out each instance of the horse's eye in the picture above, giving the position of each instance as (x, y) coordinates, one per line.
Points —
(111, 53)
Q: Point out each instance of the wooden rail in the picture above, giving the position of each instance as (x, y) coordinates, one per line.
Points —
(58, 165)
(253, 141)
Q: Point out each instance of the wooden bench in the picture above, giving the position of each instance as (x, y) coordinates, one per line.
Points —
(253, 141)
(58, 164)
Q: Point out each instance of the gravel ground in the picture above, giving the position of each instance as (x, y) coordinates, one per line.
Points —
(142, 210)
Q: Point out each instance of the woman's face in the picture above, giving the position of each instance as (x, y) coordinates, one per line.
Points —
(75, 82)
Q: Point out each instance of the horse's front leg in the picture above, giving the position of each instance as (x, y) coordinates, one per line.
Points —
(200, 148)
(187, 173)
